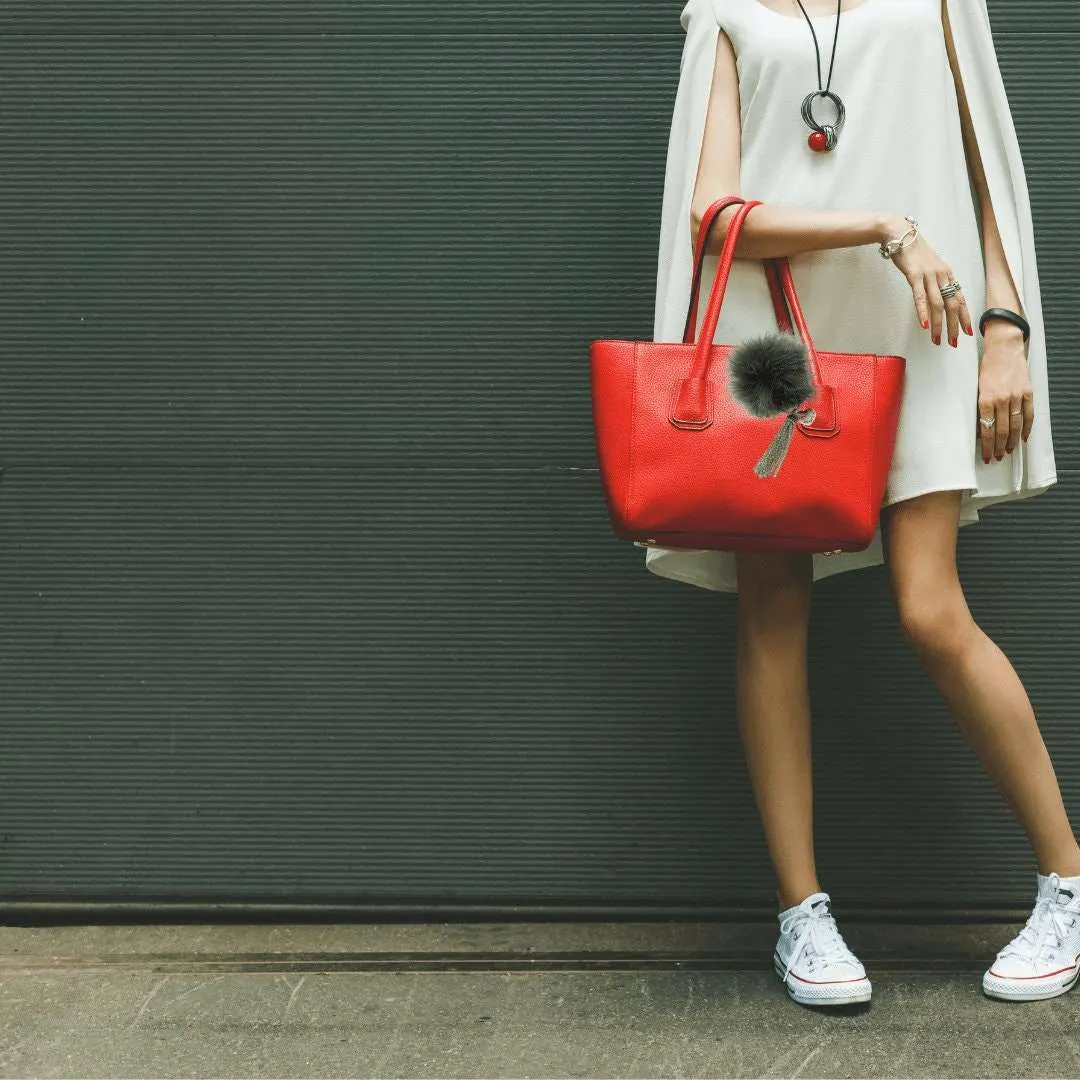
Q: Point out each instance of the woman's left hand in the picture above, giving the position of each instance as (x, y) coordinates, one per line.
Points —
(1004, 390)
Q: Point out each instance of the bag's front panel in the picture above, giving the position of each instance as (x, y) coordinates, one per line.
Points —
(701, 482)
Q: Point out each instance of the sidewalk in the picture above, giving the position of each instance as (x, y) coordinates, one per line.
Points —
(506, 1000)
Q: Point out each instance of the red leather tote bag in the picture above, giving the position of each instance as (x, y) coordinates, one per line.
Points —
(677, 451)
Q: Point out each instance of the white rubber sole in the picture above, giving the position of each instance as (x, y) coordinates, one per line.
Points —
(1023, 990)
(838, 993)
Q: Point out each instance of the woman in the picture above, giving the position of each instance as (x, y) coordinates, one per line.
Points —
(898, 195)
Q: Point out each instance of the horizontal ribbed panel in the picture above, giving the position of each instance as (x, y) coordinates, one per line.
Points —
(464, 19)
(276, 250)
(308, 590)
(445, 685)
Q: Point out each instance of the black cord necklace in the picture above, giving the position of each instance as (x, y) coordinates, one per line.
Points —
(824, 136)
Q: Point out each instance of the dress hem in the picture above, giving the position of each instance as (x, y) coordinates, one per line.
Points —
(872, 554)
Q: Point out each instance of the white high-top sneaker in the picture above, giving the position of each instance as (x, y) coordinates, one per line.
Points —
(1043, 960)
(812, 958)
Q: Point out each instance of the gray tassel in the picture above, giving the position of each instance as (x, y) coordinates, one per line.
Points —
(768, 465)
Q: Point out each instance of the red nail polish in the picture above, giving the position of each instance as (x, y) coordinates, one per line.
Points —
(953, 341)
(925, 325)
(937, 339)
(969, 331)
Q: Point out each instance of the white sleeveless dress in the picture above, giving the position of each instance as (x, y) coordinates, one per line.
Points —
(901, 149)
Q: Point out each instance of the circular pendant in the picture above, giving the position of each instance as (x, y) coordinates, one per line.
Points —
(824, 136)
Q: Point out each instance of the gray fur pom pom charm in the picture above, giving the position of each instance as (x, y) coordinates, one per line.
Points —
(770, 374)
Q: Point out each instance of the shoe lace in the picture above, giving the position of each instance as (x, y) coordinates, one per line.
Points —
(1048, 923)
(819, 935)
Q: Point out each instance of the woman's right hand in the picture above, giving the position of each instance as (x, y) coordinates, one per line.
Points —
(926, 273)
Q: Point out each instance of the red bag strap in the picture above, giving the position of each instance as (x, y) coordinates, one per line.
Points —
(690, 407)
(783, 319)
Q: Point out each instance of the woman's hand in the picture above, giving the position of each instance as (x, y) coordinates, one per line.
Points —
(1004, 386)
(1004, 390)
(926, 273)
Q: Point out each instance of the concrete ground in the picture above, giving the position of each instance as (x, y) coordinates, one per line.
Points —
(505, 1000)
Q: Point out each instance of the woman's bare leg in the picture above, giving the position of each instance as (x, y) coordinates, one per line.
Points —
(974, 676)
(773, 704)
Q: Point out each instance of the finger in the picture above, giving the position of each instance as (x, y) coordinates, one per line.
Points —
(1001, 428)
(965, 316)
(922, 308)
(1016, 422)
(952, 306)
(937, 308)
(1029, 416)
(986, 434)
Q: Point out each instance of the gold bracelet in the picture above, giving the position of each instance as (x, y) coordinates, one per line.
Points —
(889, 248)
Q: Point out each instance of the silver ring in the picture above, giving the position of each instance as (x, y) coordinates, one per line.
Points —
(988, 421)
(1019, 412)
(952, 287)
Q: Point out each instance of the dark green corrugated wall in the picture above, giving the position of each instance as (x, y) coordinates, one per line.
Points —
(307, 591)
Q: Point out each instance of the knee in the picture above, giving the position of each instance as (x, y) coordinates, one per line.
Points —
(935, 621)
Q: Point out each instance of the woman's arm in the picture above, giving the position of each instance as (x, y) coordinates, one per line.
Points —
(1000, 288)
(1004, 384)
(772, 230)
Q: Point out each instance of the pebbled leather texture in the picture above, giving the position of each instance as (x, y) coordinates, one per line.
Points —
(677, 453)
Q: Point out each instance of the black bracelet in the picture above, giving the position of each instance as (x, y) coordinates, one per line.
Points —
(1004, 313)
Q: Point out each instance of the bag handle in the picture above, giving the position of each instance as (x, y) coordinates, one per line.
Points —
(719, 287)
(690, 405)
(783, 319)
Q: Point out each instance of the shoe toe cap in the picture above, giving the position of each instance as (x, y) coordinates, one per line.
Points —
(849, 969)
(837, 971)
(1011, 966)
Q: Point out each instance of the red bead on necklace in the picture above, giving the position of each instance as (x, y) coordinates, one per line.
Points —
(823, 136)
